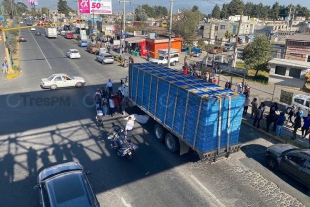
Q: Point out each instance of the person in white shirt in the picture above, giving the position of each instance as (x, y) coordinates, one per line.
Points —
(110, 86)
(111, 106)
(247, 102)
(239, 88)
(129, 127)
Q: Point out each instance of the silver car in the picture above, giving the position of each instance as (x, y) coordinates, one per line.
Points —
(291, 160)
(105, 58)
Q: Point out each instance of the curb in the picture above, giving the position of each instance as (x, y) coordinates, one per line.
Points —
(285, 141)
(11, 76)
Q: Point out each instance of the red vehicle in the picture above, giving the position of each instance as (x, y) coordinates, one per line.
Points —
(69, 36)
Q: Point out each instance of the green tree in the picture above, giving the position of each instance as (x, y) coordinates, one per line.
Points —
(21, 8)
(187, 25)
(235, 7)
(45, 11)
(257, 54)
(275, 11)
(248, 9)
(195, 8)
(149, 11)
(216, 12)
(140, 14)
(228, 34)
(224, 11)
(265, 12)
(62, 7)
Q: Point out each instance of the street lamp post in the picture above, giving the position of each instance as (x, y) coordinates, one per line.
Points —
(170, 31)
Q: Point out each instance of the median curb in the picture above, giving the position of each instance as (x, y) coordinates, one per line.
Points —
(11, 76)
(281, 139)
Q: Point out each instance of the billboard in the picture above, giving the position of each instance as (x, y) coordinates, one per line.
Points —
(32, 2)
(95, 6)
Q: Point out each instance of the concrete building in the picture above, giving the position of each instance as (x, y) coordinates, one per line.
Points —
(291, 70)
(216, 29)
(298, 47)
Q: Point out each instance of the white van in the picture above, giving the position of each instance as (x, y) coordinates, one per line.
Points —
(163, 57)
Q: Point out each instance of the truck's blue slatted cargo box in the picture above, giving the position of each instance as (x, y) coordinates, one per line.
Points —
(196, 111)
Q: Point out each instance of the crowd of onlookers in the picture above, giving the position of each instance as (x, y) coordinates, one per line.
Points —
(275, 119)
(108, 103)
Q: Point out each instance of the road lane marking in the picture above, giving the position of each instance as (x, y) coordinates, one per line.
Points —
(41, 51)
(207, 191)
(125, 203)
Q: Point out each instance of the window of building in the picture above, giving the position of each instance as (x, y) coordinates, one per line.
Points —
(216, 28)
(295, 55)
(223, 27)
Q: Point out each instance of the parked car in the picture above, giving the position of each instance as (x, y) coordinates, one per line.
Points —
(105, 58)
(300, 101)
(38, 33)
(229, 47)
(62, 80)
(22, 39)
(69, 35)
(216, 50)
(32, 29)
(65, 185)
(83, 43)
(73, 53)
(291, 160)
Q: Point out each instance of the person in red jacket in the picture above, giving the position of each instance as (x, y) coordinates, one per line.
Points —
(116, 103)
(119, 97)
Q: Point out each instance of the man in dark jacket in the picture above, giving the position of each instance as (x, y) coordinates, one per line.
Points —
(306, 126)
(257, 116)
(269, 121)
(280, 123)
(297, 125)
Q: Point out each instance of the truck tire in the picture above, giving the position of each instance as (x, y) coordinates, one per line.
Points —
(159, 132)
(172, 143)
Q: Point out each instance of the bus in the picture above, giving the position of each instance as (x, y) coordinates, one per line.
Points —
(29, 22)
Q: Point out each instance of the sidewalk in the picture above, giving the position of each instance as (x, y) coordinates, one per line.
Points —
(262, 95)
(287, 132)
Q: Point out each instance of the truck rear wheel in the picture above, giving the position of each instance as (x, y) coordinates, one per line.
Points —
(159, 132)
(172, 143)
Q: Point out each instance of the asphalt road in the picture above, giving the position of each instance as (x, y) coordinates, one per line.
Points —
(33, 136)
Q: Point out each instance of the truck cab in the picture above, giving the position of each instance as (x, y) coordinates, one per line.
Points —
(69, 35)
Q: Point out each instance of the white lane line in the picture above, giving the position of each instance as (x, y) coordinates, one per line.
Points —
(125, 203)
(41, 51)
(207, 191)
(65, 55)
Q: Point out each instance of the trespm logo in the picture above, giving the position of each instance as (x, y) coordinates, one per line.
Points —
(14, 101)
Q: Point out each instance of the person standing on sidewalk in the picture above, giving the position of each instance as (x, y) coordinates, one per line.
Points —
(110, 86)
(306, 126)
(254, 104)
(290, 115)
(246, 105)
(269, 120)
(297, 125)
(280, 123)
(257, 117)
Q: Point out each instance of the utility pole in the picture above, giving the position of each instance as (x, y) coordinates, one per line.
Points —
(289, 17)
(124, 23)
(235, 49)
(170, 31)
(133, 13)
(292, 20)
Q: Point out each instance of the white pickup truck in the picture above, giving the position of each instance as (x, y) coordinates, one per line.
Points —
(163, 57)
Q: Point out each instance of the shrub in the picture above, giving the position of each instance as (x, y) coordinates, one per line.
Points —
(307, 76)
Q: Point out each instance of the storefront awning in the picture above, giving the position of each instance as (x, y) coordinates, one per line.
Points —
(135, 39)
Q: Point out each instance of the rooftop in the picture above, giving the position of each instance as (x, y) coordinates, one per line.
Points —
(300, 37)
(290, 63)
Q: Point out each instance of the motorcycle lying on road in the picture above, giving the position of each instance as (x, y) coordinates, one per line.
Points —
(119, 142)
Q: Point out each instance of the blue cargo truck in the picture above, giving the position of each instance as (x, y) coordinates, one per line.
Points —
(189, 113)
